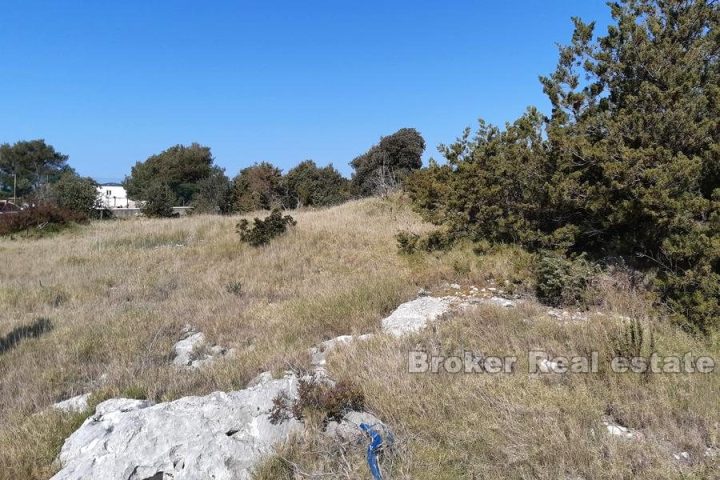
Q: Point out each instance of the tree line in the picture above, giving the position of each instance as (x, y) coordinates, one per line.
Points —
(35, 172)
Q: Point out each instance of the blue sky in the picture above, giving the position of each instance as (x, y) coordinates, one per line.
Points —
(110, 83)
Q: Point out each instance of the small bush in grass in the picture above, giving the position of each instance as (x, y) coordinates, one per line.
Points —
(560, 281)
(234, 287)
(331, 401)
(409, 243)
(630, 340)
(44, 218)
(262, 231)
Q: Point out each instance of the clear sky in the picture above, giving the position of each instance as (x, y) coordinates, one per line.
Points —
(111, 82)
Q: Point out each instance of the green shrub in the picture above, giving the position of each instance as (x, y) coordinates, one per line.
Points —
(235, 288)
(75, 193)
(625, 166)
(632, 340)
(560, 281)
(159, 201)
(409, 243)
(265, 230)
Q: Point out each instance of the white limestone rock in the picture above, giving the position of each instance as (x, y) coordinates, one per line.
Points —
(414, 315)
(220, 436)
(74, 404)
(621, 431)
(192, 350)
(318, 355)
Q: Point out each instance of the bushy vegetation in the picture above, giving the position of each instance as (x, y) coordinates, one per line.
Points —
(383, 168)
(264, 230)
(626, 166)
(38, 220)
(160, 200)
(258, 187)
(329, 402)
(409, 243)
(180, 168)
(308, 185)
(562, 281)
(76, 193)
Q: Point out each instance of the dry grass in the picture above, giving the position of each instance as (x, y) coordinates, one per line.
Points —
(522, 426)
(119, 293)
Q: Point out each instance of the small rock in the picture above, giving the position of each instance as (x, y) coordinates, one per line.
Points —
(318, 354)
(682, 456)
(185, 348)
(620, 431)
(502, 302)
(454, 286)
(260, 379)
(73, 405)
(423, 293)
(348, 430)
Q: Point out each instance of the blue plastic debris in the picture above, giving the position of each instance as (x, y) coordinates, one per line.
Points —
(376, 443)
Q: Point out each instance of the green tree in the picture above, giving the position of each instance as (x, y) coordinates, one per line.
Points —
(180, 168)
(160, 200)
(35, 163)
(307, 185)
(628, 164)
(258, 187)
(385, 165)
(75, 193)
(635, 137)
(493, 185)
(214, 193)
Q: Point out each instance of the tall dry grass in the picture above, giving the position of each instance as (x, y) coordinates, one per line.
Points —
(118, 294)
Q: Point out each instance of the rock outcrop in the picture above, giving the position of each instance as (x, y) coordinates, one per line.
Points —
(220, 436)
(193, 351)
(414, 315)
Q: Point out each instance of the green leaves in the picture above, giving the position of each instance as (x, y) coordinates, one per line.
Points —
(625, 166)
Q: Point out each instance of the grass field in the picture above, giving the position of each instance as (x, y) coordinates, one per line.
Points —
(112, 298)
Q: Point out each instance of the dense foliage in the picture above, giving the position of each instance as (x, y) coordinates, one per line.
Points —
(307, 185)
(214, 193)
(262, 231)
(258, 187)
(181, 168)
(627, 164)
(76, 193)
(34, 164)
(160, 200)
(383, 167)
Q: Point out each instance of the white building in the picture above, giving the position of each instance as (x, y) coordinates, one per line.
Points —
(113, 195)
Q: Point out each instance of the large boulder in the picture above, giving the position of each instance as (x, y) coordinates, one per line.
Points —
(220, 436)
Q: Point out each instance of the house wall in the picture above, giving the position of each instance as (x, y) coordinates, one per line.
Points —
(114, 196)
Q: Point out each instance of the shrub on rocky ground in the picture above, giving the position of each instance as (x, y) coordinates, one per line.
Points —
(561, 281)
(331, 402)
